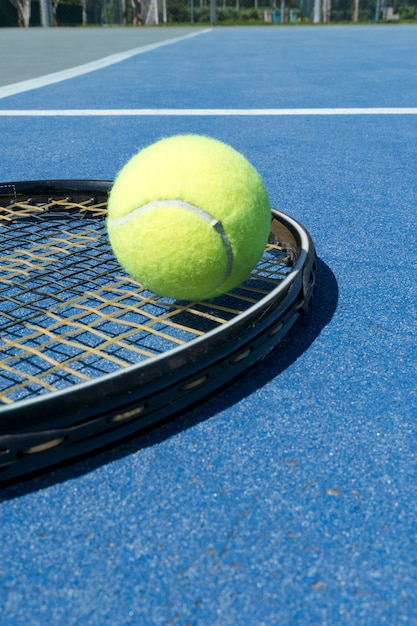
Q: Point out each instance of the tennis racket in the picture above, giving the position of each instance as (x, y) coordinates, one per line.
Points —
(88, 356)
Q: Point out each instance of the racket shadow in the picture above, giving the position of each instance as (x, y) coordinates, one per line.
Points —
(307, 328)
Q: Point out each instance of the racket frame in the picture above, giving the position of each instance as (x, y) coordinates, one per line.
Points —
(59, 426)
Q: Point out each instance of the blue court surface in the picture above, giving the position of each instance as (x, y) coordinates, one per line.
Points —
(290, 497)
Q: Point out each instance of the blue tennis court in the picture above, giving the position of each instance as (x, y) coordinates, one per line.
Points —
(290, 496)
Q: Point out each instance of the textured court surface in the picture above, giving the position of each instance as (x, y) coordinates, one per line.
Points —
(289, 498)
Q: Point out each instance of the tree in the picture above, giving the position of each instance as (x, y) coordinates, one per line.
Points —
(327, 10)
(55, 11)
(23, 11)
(137, 13)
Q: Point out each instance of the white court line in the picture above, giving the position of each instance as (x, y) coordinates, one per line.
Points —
(205, 112)
(79, 70)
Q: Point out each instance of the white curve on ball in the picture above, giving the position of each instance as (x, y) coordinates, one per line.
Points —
(186, 206)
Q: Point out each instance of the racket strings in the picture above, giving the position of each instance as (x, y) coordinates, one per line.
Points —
(13, 207)
(69, 314)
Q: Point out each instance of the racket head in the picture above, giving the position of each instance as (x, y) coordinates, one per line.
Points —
(90, 357)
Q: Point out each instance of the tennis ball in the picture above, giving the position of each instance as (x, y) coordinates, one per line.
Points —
(188, 217)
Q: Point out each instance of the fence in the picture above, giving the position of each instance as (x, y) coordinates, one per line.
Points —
(155, 12)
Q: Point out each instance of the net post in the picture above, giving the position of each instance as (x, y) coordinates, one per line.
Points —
(212, 12)
(317, 12)
(46, 13)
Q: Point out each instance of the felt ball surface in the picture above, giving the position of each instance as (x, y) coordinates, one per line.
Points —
(188, 217)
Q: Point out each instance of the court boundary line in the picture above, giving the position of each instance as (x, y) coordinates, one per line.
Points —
(207, 112)
(78, 70)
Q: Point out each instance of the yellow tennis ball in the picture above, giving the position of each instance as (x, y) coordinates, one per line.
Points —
(188, 217)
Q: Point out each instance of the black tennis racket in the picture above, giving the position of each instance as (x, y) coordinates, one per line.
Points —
(88, 356)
